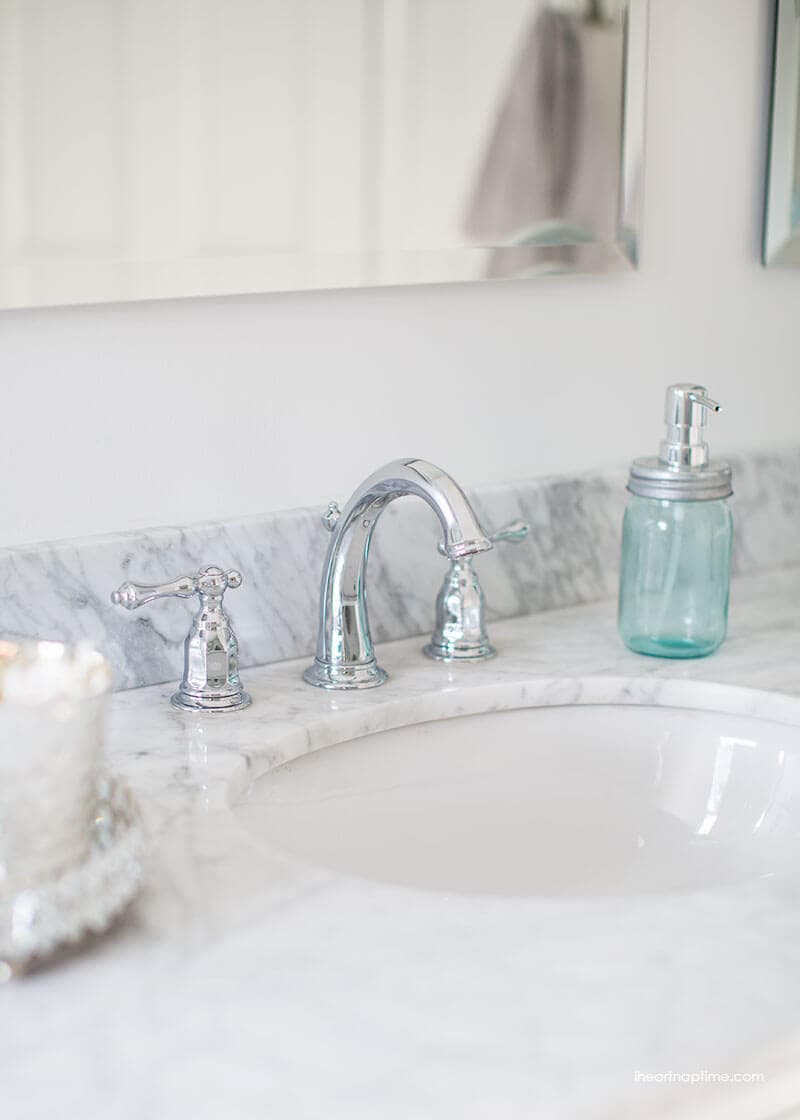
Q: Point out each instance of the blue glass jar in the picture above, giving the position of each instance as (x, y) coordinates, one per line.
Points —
(673, 599)
(676, 539)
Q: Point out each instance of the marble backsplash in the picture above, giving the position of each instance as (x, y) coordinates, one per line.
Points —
(61, 590)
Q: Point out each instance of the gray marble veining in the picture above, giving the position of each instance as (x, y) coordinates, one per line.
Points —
(61, 590)
(247, 982)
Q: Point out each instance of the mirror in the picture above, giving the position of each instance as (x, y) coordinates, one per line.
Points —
(160, 148)
(782, 223)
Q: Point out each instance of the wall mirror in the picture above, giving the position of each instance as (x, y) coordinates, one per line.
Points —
(161, 148)
(782, 221)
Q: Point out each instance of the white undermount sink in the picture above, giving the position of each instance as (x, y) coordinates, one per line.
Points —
(574, 800)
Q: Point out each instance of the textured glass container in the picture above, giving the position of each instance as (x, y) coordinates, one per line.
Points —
(52, 703)
(675, 577)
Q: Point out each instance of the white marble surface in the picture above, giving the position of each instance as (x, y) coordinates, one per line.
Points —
(245, 983)
(61, 589)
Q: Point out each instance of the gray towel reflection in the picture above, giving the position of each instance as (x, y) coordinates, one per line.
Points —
(530, 160)
(550, 172)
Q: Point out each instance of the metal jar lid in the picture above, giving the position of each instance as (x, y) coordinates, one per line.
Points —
(652, 478)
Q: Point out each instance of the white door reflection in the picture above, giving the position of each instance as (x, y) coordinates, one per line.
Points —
(195, 147)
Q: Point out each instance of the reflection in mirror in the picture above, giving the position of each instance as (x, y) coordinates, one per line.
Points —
(165, 148)
(782, 222)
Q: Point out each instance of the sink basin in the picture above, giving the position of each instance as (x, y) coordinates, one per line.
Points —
(573, 800)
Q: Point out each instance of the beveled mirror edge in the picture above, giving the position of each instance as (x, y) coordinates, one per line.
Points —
(779, 234)
(633, 128)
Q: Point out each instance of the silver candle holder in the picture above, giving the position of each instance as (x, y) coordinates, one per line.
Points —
(69, 834)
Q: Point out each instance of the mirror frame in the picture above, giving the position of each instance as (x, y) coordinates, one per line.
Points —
(779, 232)
(633, 131)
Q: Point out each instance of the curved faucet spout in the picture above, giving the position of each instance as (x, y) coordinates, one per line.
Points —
(345, 654)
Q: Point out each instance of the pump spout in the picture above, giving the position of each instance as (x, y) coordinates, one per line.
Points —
(705, 402)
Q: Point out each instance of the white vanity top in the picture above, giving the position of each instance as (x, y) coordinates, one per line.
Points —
(244, 983)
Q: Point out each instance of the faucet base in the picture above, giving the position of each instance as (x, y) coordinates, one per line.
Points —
(210, 701)
(323, 675)
(447, 652)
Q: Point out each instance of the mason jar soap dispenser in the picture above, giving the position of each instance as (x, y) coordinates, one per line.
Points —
(676, 539)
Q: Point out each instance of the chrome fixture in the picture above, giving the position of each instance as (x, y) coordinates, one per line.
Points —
(460, 630)
(211, 652)
(683, 471)
(345, 654)
(684, 443)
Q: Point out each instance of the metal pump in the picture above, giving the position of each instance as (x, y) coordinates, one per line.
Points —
(683, 470)
(685, 414)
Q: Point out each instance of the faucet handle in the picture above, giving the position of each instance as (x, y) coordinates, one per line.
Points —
(131, 596)
(513, 533)
(459, 633)
(211, 652)
(331, 516)
(208, 581)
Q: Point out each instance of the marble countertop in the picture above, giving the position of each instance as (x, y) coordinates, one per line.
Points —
(246, 983)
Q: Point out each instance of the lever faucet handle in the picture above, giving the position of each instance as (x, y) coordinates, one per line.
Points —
(131, 596)
(211, 680)
(208, 581)
(512, 533)
(459, 633)
(330, 517)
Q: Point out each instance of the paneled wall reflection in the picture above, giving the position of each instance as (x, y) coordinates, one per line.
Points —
(156, 148)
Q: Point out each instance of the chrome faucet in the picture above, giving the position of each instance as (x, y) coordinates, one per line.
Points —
(345, 654)
(460, 630)
(211, 681)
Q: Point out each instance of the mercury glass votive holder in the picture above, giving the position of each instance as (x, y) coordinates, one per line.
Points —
(52, 706)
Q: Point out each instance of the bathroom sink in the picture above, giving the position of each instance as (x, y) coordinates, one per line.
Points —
(573, 800)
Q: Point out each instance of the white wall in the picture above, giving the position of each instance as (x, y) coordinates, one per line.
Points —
(139, 414)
